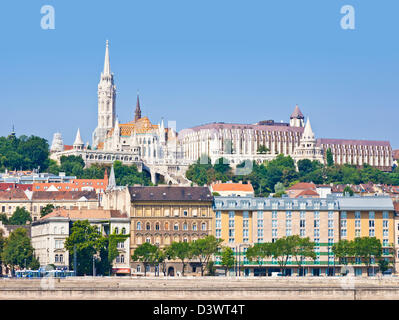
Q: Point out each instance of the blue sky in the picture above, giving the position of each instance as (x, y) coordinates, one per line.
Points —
(196, 62)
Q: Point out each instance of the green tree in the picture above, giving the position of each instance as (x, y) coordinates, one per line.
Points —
(383, 265)
(4, 219)
(2, 244)
(228, 259)
(181, 251)
(20, 217)
(129, 175)
(303, 249)
(281, 250)
(88, 242)
(203, 249)
(348, 190)
(344, 250)
(367, 248)
(46, 210)
(18, 250)
(146, 253)
(329, 157)
(262, 149)
(258, 252)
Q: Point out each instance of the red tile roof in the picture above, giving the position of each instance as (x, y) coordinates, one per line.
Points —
(232, 187)
(76, 214)
(302, 185)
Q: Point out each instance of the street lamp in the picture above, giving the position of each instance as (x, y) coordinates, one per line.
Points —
(94, 266)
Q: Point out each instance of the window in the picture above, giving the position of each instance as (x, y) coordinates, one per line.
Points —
(218, 214)
(166, 225)
(288, 223)
(56, 258)
(371, 223)
(302, 232)
(302, 223)
(371, 215)
(357, 232)
(61, 258)
(231, 214)
(316, 214)
(274, 224)
(274, 215)
(245, 215)
(316, 233)
(385, 232)
(122, 258)
(185, 213)
(288, 215)
(274, 233)
(357, 214)
(343, 215)
(116, 230)
(260, 223)
(331, 223)
(330, 215)
(148, 226)
(176, 227)
(303, 214)
(385, 223)
(218, 233)
(316, 223)
(343, 223)
(157, 226)
(184, 226)
(203, 226)
(138, 268)
(385, 243)
(123, 230)
(343, 232)
(385, 215)
(288, 232)
(148, 240)
(331, 232)
(357, 223)
(371, 233)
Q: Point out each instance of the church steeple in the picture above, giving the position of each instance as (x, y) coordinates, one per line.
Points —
(107, 68)
(137, 113)
(106, 102)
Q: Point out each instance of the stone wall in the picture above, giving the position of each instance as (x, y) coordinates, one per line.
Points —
(337, 288)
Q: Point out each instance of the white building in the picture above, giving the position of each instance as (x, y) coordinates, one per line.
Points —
(50, 232)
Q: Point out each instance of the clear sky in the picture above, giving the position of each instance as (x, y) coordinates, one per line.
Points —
(200, 61)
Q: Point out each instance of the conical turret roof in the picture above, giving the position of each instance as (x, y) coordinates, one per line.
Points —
(297, 114)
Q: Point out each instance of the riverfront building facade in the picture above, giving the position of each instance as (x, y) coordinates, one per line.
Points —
(244, 221)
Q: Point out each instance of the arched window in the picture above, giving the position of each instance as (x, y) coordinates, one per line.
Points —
(61, 258)
(176, 227)
(123, 230)
(122, 258)
(166, 225)
(194, 226)
(138, 226)
(184, 226)
(157, 226)
(116, 230)
(203, 226)
(148, 226)
(56, 258)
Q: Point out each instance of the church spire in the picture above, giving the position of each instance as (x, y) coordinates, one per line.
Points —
(137, 113)
(111, 181)
(308, 132)
(78, 144)
(107, 68)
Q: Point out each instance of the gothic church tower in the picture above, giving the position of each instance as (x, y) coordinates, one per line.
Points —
(106, 102)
